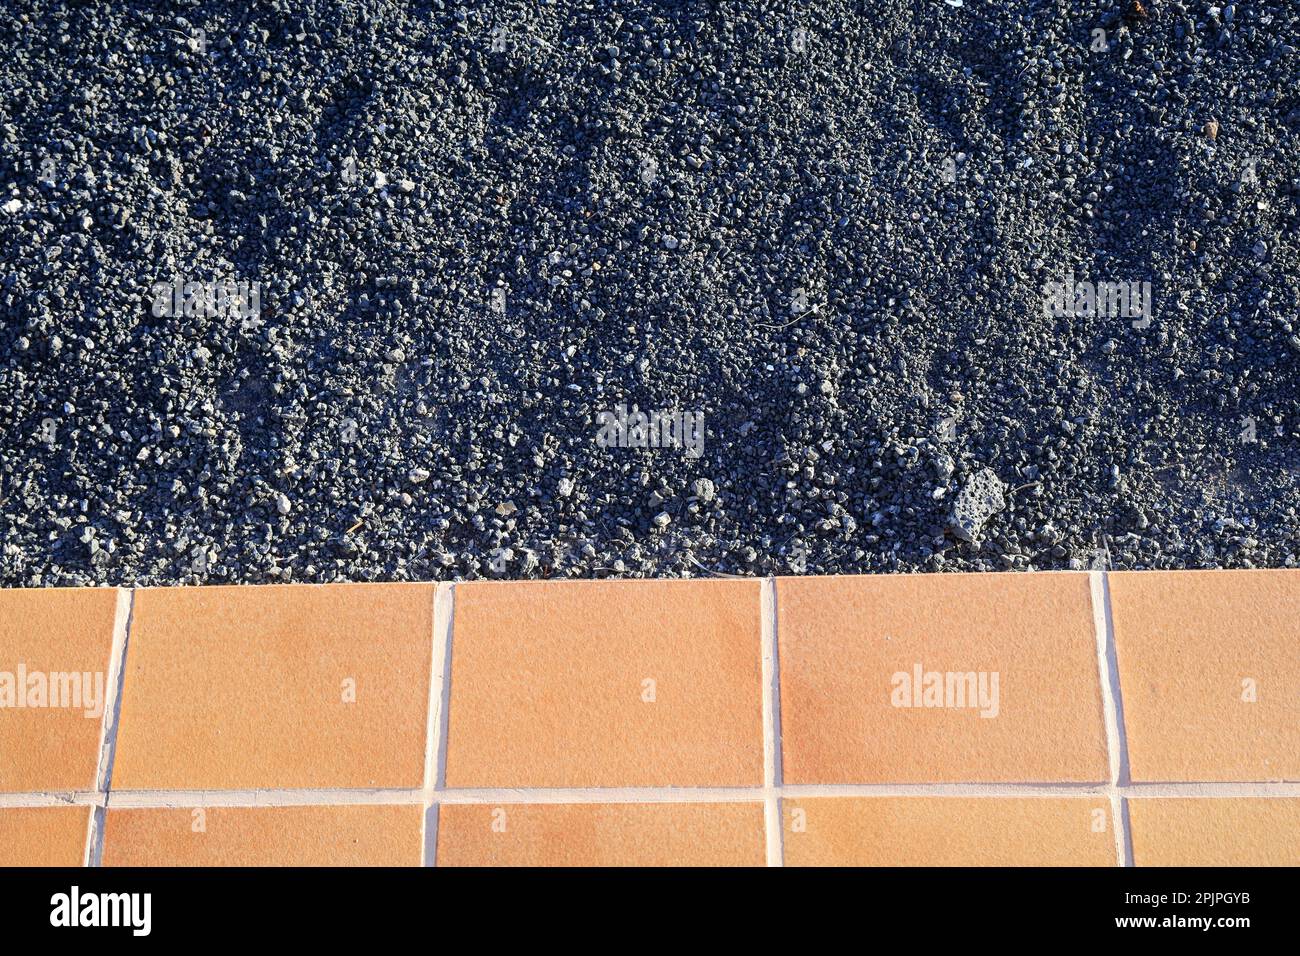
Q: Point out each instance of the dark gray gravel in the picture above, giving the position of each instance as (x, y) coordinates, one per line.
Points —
(476, 226)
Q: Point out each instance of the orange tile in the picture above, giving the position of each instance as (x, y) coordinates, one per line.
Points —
(276, 687)
(850, 649)
(1215, 831)
(609, 834)
(948, 831)
(265, 836)
(551, 685)
(58, 638)
(44, 836)
(1194, 648)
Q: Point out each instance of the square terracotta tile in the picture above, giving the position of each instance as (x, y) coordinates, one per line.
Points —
(276, 687)
(1209, 665)
(949, 831)
(55, 650)
(44, 836)
(1215, 831)
(265, 836)
(606, 684)
(935, 678)
(607, 834)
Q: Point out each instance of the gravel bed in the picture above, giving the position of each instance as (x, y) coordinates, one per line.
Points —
(447, 248)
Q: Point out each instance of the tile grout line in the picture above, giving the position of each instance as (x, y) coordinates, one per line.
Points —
(611, 795)
(173, 799)
(1097, 595)
(120, 616)
(433, 718)
(191, 799)
(1125, 778)
(1190, 789)
(1097, 588)
(122, 619)
(429, 835)
(440, 711)
(26, 800)
(771, 725)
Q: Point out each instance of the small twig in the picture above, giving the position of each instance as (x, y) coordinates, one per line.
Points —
(765, 325)
(360, 522)
(716, 574)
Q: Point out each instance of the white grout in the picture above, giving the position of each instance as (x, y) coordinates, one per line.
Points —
(803, 791)
(946, 790)
(1117, 699)
(444, 690)
(116, 661)
(440, 653)
(1112, 712)
(444, 626)
(608, 795)
(1143, 791)
(77, 798)
(771, 726)
(437, 651)
(122, 619)
(175, 799)
(429, 821)
(994, 790)
(157, 799)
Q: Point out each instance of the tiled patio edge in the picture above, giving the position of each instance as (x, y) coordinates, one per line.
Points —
(1119, 789)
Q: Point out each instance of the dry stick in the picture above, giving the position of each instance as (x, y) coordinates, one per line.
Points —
(717, 574)
(765, 325)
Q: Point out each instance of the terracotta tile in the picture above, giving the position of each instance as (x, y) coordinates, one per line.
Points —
(609, 834)
(849, 649)
(1215, 831)
(62, 636)
(549, 685)
(245, 688)
(265, 836)
(44, 836)
(1193, 648)
(948, 831)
